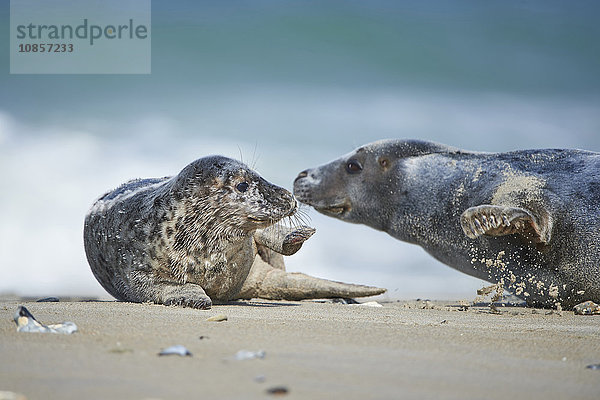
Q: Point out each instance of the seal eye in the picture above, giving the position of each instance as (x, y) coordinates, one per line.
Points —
(353, 167)
(242, 186)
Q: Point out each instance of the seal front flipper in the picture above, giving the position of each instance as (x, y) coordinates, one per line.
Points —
(282, 239)
(495, 220)
(186, 295)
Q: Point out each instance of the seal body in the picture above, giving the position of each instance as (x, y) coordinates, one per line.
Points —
(529, 220)
(194, 237)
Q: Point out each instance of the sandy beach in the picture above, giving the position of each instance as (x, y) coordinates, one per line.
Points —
(312, 350)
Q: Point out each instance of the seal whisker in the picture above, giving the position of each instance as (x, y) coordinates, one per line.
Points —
(255, 156)
(301, 216)
(241, 155)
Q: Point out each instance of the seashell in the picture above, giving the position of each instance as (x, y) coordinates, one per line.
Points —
(26, 322)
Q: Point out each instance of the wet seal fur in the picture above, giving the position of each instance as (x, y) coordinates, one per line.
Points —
(208, 233)
(529, 219)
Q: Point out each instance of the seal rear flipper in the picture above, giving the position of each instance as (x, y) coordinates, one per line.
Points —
(271, 283)
(495, 220)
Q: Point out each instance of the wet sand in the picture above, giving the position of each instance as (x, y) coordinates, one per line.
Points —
(313, 350)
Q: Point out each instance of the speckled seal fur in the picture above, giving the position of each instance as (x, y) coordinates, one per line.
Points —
(208, 233)
(529, 219)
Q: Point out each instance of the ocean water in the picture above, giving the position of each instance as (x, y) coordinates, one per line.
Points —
(285, 86)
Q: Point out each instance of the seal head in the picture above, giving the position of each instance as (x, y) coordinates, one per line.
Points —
(364, 186)
(216, 200)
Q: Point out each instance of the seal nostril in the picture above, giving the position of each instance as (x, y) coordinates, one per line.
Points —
(301, 175)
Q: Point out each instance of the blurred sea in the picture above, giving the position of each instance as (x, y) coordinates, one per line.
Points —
(288, 85)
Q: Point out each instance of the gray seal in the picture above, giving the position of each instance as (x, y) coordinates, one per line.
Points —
(529, 220)
(209, 233)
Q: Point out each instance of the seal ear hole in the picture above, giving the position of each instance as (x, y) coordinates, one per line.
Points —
(242, 186)
(384, 162)
(353, 167)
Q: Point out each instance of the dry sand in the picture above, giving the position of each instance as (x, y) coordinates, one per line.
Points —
(315, 350)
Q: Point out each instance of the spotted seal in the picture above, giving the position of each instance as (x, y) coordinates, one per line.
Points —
(208, 233)
(529, 219)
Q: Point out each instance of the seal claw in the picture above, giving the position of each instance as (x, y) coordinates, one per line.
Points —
(201, 304)
(514, 220)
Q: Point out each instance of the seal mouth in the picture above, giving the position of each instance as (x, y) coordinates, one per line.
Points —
(257, 220)
(271, 219)
(338, 209)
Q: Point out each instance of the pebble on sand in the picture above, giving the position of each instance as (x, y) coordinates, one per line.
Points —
(587, 308)
(249, 355)
(177, 350)
(4, 395)
(217, 318)
(278, 391)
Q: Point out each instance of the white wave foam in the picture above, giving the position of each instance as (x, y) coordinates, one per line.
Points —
(52, 173)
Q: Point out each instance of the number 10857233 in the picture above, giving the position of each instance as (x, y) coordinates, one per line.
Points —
(45, 48)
